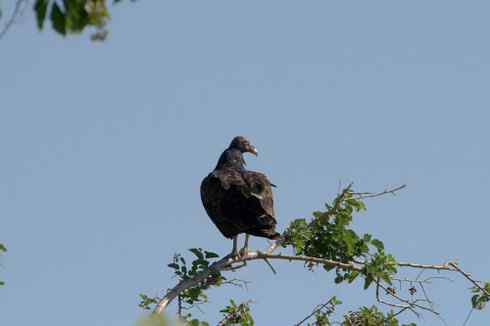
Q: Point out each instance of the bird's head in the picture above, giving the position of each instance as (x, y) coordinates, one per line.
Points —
(243, 145)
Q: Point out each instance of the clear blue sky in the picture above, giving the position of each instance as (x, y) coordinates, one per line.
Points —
(103, 147)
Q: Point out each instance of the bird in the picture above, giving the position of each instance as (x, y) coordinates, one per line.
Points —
(238, 200)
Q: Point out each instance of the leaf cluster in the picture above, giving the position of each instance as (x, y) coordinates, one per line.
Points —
(184, 271)
(73, 16)
(371, 317)
(480, 298)
(329, 235)
(198, 265)
(323, 312)
(146, 301)
(363, 316)
(237, 314)
(196, 322)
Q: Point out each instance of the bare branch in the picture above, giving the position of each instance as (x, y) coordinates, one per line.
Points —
(18, 8)
(237, 282)
(468, 276)
(363, 195)
(408, 304)
(234, 262)
(441, 267)
(317, 309)
(402, 307)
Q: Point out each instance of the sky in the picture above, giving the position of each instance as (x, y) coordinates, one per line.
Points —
(104, 147)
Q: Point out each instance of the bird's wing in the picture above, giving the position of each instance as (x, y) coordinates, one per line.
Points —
(260, 187)
(229, 177)
(214, 197)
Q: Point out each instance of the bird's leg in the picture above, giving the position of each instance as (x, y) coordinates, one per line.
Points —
(244, 250)
(234, 251)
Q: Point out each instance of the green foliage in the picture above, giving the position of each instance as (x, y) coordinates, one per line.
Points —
(153, 320)
(40, 8)
(146, 301)
(73, 16)
(371, 317)
(364, 316)
(323, 312)
(379, 267)
(193, 295)
(198, 265)
(187, 320)
(237, 314)
(480, 298)
(196, 322)
(328, 235)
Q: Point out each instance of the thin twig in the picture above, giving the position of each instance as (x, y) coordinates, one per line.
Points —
(317, 309)
(363, 195)
(13, 17)
(270, 265)
(407, 302)
(394, 305)
(468, 316)
(468, 276)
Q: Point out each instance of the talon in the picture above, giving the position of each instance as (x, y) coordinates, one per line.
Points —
(243, 252)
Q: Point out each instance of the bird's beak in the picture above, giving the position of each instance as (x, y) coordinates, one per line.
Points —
(253, 150)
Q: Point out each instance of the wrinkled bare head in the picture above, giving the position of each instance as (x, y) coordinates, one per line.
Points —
(243, 145)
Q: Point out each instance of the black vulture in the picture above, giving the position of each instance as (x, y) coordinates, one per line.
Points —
(238, 200)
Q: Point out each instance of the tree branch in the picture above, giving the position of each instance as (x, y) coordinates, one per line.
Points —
(229, 263)
(317, 309)
(468, 276)
(363, 195)
(16, 12)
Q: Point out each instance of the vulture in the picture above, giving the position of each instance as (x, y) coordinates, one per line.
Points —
(237, 200)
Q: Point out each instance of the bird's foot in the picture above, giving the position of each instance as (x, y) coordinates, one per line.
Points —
(234, 254)
(243, 252)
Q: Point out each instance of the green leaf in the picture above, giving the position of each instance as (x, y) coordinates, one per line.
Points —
(336, 301)
(173, 265)
(474, 301)
(210, 254)
(386, 277)
(487, 286)
(338, 279)
(3, 248)
(367, 282)
(367, 237)
(40, 7)
(352, 276)
(378, 244)
(198, 253)
(317, 214)
(76, 15)
(58, 19)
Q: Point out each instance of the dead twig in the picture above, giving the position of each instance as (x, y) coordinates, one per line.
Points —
(18, 8)
(468, 276)
(363, 195)
(317, 309)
